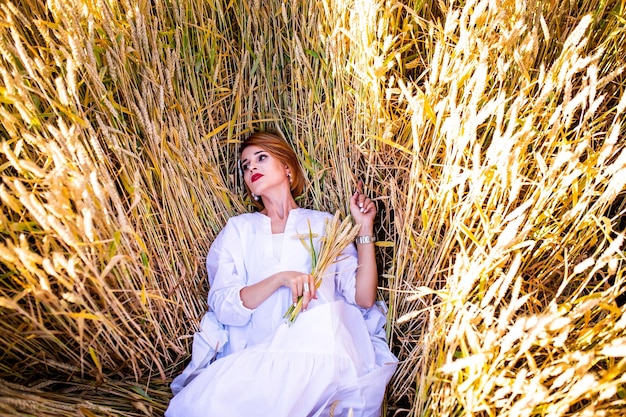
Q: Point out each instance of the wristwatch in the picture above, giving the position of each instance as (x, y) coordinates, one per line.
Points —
(365, 239)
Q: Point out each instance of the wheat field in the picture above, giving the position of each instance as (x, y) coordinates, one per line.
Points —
(489, 132)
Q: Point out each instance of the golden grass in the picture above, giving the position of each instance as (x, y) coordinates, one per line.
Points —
(490, 134)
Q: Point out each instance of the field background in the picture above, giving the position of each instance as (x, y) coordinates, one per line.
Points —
(490, 133)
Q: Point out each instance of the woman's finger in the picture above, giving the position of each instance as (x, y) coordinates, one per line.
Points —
(313, 288)
(362, 200)
(308, 291)
(296, 290)
(365, 205)
(306, 296)
(370, 206)
(359, 187)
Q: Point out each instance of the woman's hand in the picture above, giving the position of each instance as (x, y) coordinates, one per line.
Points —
(300, 284)
(363, 210)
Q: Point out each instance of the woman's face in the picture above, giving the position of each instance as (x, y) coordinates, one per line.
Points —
(262, 172)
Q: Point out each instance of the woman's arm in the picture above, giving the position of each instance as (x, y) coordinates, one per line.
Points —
(254, 295)
(229, 297)
(363, 211)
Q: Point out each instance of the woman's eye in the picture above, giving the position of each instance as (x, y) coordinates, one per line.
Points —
(245, 167)
(262, 157)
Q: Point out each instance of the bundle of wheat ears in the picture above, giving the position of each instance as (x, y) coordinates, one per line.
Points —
(489, 133)
(338, 234)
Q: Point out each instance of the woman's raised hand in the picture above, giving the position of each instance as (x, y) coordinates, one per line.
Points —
(363, 209)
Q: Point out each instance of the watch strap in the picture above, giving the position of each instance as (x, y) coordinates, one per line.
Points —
(365, 239)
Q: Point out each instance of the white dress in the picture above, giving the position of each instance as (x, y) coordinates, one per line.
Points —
(249, 362)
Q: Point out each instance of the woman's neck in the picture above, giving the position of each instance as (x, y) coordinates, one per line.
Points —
(278, 210)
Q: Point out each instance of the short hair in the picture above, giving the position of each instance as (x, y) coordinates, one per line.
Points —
(276, 146)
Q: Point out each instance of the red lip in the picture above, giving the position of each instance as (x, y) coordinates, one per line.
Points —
(255, 177)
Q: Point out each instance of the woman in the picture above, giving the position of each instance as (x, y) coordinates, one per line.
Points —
(246, 360)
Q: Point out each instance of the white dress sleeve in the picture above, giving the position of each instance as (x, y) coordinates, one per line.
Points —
(345, 276)
(227, 276)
